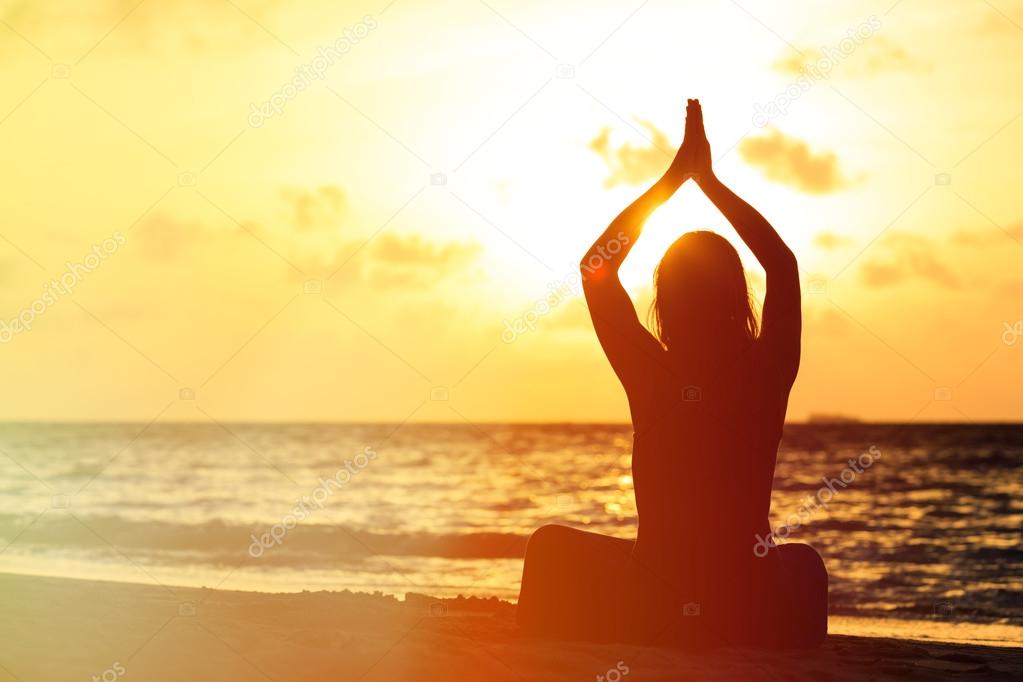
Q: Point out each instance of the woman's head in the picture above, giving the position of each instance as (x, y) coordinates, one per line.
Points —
(701, 296)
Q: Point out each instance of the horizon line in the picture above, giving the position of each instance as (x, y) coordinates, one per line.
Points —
(271, 422)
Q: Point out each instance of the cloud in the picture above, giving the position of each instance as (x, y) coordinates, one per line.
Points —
(830, 240)
(415, 251)
(908, 256)
(166, 238)
(317, 209)
(162, 238)
(794, 63)
(825, 321)
(1012, 289)
(412, 261)
(985, 236)
(408, 261)
(790, 161)
(880, 275)
(197, 27)
(316, 235)
(631, 165)
(882, 55)
(873, 57)
(1006, 20)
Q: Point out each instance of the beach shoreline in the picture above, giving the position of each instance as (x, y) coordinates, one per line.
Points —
(62, 628)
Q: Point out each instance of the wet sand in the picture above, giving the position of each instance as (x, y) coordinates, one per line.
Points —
(61, 629)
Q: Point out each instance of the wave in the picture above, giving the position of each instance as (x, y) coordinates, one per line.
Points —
(221, 542)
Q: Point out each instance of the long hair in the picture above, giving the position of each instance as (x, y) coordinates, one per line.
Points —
(701, 298)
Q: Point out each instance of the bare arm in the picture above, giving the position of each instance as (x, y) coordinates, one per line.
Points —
(625, 340)
(626, 228)
(752, 228)
(603, 259)
(782, 320)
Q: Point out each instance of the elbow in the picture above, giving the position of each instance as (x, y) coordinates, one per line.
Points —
(785, 261)
(596, 271)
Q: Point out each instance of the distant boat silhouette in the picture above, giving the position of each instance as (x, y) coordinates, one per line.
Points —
(832, 419)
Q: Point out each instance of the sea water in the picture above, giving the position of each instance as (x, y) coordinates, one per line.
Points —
(929, 530)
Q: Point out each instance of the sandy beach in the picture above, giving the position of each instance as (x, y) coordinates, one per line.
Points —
(62, 629)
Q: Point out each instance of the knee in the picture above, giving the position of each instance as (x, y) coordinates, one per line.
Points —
(540, 575)
(545, 541)
(808, 577)
(804, 560)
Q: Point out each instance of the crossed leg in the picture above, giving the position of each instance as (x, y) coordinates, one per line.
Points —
(581, 585)
(570, 583)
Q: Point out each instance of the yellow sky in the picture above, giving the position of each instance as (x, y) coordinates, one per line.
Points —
(358, 247)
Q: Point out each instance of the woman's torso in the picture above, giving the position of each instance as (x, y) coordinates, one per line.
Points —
(704, 451)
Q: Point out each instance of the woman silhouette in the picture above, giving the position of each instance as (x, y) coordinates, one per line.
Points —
(708, 397)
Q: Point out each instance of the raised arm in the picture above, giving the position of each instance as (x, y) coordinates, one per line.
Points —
(626, 342)
(626, 228)
(781, 320)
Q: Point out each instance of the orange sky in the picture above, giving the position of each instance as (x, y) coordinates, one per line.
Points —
(357, 245)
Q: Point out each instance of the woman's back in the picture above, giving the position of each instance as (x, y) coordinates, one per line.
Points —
(704, 449)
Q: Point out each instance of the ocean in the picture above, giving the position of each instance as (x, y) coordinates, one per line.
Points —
(930, 529)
